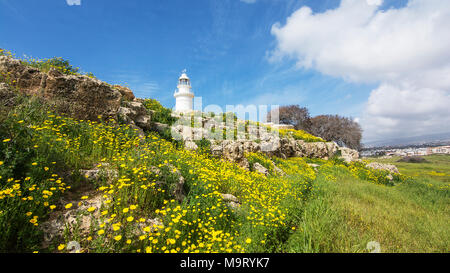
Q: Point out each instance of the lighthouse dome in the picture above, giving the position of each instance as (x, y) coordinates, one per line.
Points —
(184, 76)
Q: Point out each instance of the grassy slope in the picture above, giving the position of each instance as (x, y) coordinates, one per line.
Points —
(342, 214)
(410, 217)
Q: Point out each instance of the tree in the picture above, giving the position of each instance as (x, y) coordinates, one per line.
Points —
(292, 115)
(342, 130)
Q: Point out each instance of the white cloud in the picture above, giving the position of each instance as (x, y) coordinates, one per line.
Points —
(393, 112)
(248, 1)
(375, 2)
(406, 50)
(73, 2)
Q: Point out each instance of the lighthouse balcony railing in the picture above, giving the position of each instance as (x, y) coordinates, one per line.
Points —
(185, 83)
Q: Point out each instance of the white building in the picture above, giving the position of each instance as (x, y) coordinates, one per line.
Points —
(183, 95)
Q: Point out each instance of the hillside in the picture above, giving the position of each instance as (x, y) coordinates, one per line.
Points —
(87, 167)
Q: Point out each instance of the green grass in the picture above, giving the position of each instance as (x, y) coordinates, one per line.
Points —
(347, 213)
(440, 164)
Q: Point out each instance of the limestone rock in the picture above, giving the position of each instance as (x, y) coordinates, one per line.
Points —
(155, 224)
(231, 201)
(125, 91)
(244, 164)
(51, 229)
(232, 150)
(260, 169)
(98, 173)
(135, 113)
(229, 198)
(348, 154)
(316, 150)
(381, 166)
(216, 150)
(144, 122)
(190, 145)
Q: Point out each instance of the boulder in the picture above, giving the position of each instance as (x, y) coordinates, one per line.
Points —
(144, 122)
(182, 132)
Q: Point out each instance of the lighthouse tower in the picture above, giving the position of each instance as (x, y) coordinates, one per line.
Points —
(183, 95)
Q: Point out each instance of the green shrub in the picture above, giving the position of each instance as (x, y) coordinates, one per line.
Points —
(204, 146)
(57, 63)
(161, 114)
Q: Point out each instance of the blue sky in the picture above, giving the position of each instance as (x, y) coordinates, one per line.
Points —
(146, 44)
(225, 45)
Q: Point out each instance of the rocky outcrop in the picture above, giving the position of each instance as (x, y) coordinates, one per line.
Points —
(283, 147)
(232, 141)
(79, 96)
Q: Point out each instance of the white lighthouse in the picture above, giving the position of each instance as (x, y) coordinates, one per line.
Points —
(183, 94)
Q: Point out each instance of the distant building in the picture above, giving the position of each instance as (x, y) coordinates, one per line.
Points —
(441, 150)
(408, 151)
